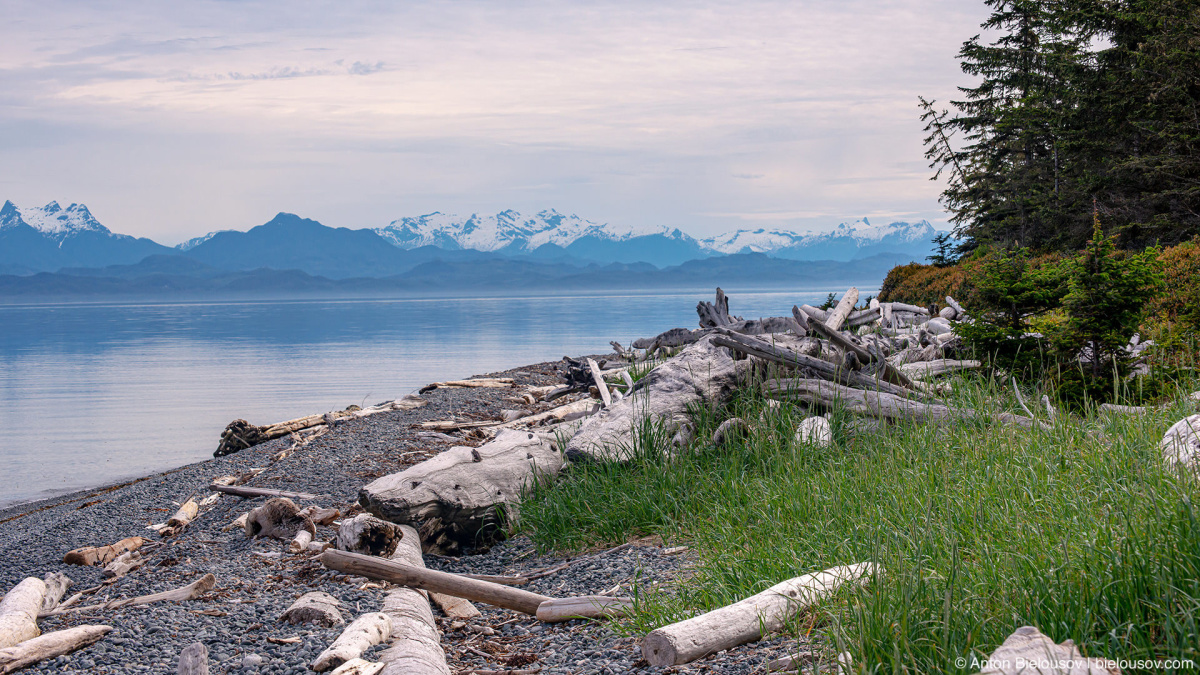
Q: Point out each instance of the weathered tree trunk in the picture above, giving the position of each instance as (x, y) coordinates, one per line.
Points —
(190, 592)
(57, 584)
(279, 518)
(843, 309)
(368, 535)
(314, 607)
(417, 649)
(958, 310)
(583, 607)
(19, 611)
(1180, 446)
(746, 620)
(601, 385)
(930, 369)
(433, 580)
(703, 372)
(124, 564)
(193, 660)
(1024, 652)
(102, 555)
(358, 667)
(363, 633)
(454, 497)
(49, 646)
(862, 317)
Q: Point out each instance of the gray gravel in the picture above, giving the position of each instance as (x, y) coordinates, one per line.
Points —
(239, 618)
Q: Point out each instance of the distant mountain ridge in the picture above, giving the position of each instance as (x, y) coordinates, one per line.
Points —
(72, 240)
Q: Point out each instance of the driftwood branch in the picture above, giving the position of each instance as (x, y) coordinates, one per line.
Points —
(49, 646)
(252, 492)
(433, 580)
(583, 607)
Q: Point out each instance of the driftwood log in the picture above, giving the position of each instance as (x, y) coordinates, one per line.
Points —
(363, 633)
(734, 427)
(453, 499)
(252, 492)
(49, 646)
(601, 385)
(1027, 649)
(279, 518)
(358, 667)
(240, 434)
(703, 372)
(474, 590)
(814, 431)
(455, 608)
(102, 555)
(368, 535)
(583, 607)
(193, 660)
(930, 369)
(887, 373)
(19, 612)
(417, 649)
(749, 619)
(878, 404)
(839, 314)
(314, 607)
(1180, 446)
(190, 592)
(124, 564)
(57, 584)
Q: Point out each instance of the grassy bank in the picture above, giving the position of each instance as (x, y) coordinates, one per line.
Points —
(1078, 530)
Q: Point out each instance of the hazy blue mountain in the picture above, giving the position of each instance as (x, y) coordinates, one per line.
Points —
(51, 237)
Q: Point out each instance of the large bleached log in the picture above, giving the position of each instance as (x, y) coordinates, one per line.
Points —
(814, 431)
(601, 385)
(454, 496)
(57, 584)
(417, 649)
(958, 310)
(878, 404)
(1029, 652)
(583, 607)
(455, 608)
(19, 611)
(368, 535)
(862, 317)
(279, 518)
(1180, 446)
(838, 316)
(193, 660)
(931, 369)
(363, 633)
(358, 667)
(474, 590)
(749, 619)
(887, 372)
(190, 592)
(240, 434)
(703, 372)
(49, 646)
(102, 555)
(314, 607)
(251, 492)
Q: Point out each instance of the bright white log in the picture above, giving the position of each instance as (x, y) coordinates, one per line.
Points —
(190, 592)
(358, 667)
(456, 495)
(948, 313)
(958, 310)
(838, 316)
(815, 431)
(703, 372)
(368, 535)
(863, 317)
(19, 611)
(314, 607)
(749, 619)
(583, 607)
(911, 309)
(186, 513)
(929, 369)
(1181, 444)
(1028, 652)
(49, 646)
(363, 633)
(193, 660)
(417, 649)
(301, 541)
(454, 607)
(102, 555)
(476, 383)
(938, 326)
(601, 385)
(57, 584)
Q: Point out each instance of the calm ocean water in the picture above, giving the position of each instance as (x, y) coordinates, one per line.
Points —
(94, 393)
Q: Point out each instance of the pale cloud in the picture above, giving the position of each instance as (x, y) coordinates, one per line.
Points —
(170, 119)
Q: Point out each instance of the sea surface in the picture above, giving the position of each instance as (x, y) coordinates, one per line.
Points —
(91, 394)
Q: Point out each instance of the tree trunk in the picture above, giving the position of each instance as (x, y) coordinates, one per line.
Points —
(363, 633)
(583, 607)
(252, 492)
(417, 649)
(368, 535)
(843, 309)
(19, 612)
(49, 646)
(314, 607)
(102, 555)
(57, 584)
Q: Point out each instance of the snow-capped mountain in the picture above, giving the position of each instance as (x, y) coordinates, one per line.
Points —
(51, 237)
(507, 230)
(196, 241)
(861, 237)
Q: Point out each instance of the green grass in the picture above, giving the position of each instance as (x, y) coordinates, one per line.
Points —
(1078, 530)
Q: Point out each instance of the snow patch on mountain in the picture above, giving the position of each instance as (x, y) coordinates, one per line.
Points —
(507, 230)
(58, 223)
(196, 241)
(861, 232)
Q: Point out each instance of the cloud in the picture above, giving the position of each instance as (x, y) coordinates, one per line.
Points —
(684, 114)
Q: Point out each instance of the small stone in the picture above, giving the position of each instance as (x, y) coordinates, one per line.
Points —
(251, 661)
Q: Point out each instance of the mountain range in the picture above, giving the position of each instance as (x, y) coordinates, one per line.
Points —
(434, 250)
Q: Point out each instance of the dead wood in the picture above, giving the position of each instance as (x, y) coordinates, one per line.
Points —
(314, 607)
(252, 492)
(279, 518)
(583, 607)
(417, 650)
(49, 646)
(19, 611)
(193, 660)
(368, 535)
(102, 555)
(57, 584)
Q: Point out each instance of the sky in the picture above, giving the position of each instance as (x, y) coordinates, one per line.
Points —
(170, 120)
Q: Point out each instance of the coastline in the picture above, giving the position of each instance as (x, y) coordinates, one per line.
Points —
(257, 579)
